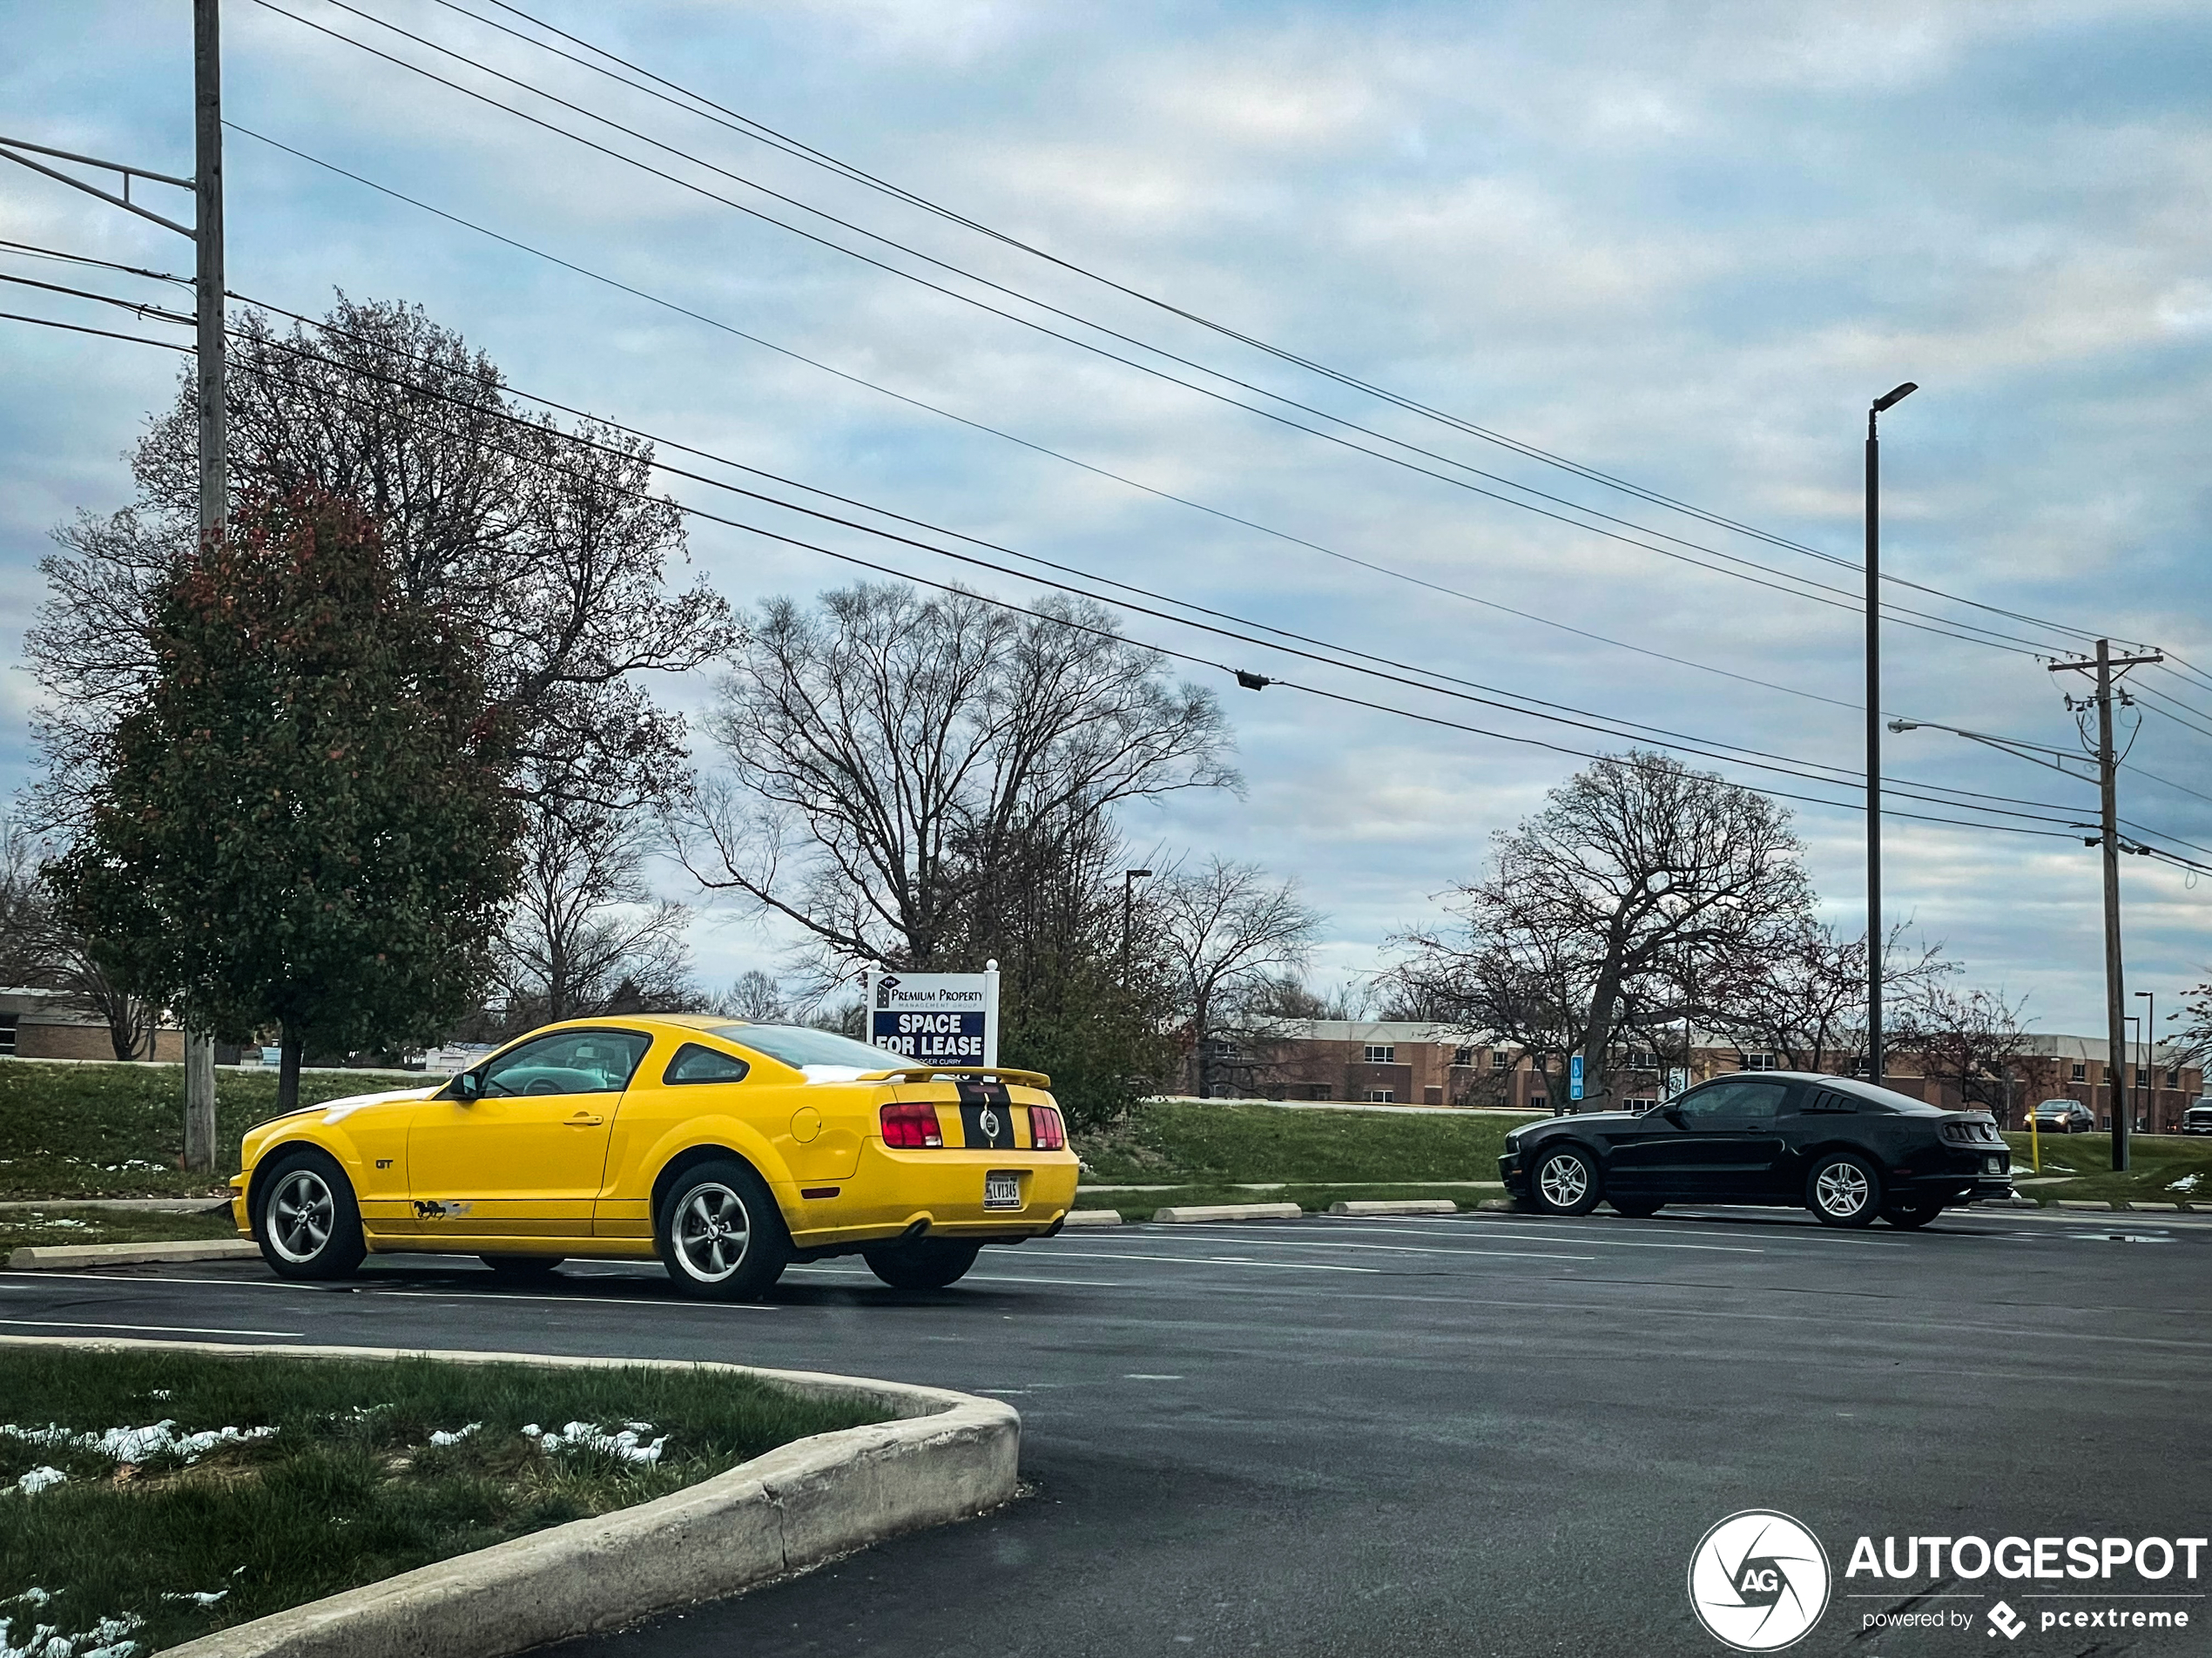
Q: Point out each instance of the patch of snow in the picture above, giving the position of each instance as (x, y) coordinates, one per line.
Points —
(139, 1445)
(197, 1597)
(35, 1597)
(584, 1436)
(161, 1393)
(2186, 1182)
(441, 1437)
(38, 1478)
(46, 1640)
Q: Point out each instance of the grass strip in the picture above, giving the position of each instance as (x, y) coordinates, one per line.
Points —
(60, 1224)
(2162, 1169)
(353, 1485)
(90, 1131)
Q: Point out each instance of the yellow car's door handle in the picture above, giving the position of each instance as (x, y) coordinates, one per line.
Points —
(585, 1120)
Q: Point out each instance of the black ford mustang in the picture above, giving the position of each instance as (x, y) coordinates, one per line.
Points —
(1845, 1150)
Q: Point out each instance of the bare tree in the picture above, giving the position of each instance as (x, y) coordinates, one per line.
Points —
(2192, 1043)
(586, 935)
(1967, 1041)
(1614, 907)
(545, 546)
(1805, 1000)
(891, 750)
(756, 998)
(1220, 930)
(39, 950)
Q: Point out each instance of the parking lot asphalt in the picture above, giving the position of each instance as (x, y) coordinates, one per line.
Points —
(1476, 1434)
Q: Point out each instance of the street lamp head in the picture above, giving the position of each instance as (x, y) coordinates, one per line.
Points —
(1905, 724)
(1137, 874)
(1898, 395)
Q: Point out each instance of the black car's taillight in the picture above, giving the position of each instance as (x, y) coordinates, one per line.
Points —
(911, 1125)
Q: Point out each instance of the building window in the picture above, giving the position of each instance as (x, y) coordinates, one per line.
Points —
(1221, 1091)
(1642, 1058)
(1381, 1055)
(8, 1035)
(1641, 1105)
(1862, 1066)
(1760, 1062)
(1317, 1091)
(2173, 1077)
(1465, 1056)
(1537, 1102)
(2081, 1070)
(1226, 1050)
(1500, 1060)
(1382, 1096)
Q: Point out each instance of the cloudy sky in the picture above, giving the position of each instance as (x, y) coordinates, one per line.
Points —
(1679, 245)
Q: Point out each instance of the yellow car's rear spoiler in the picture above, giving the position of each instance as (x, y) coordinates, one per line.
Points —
(926, 1073)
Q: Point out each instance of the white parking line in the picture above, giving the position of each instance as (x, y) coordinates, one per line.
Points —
(164, 1330)
(1409, 1248)
(1230, 1260)
(686, 1303)
(1280, 1237)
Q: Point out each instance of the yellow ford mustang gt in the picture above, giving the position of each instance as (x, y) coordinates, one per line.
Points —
(726, 1150)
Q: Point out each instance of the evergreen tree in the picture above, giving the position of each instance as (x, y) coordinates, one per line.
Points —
(306, 824)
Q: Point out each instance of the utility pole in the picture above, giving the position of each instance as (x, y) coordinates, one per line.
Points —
(1874, 1054)
(214, 473)
(2105, 666)
(207, 235)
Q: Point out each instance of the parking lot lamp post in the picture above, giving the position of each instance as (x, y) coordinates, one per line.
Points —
(2150, 1061)
(1888, 399)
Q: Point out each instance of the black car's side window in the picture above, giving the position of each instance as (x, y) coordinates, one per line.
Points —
(1732, 1105)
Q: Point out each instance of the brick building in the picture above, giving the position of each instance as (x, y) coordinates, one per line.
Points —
(1414, 1062)
(43, 1024)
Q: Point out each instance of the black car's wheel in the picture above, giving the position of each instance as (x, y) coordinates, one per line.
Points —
(926, 1264)
(523, 1267)
(1566, 1182)
(1843, 1189)
(720, 1234)
(306, 1219)
(1907, 1216)
(1636, 1208)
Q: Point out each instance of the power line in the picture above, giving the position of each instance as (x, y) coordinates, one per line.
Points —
(1681, 743)
(1768, 576)
(33, 251)
(747, 127)
(1165, 650)
(1148, 489)
(1219, 513)
(134, 306)
(104, 334)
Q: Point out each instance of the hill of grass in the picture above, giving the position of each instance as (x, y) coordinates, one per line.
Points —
(91, 1131)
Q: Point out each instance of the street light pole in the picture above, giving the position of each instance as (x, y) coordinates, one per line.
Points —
(1129, 878)
(1874, 1054)
(2150, 1061)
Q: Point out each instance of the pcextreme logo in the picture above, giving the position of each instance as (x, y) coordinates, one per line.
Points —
(1759, 1580)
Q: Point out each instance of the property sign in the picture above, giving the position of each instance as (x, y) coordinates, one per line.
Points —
(1575, 1077)
(1678, 1080)
(945, 1018)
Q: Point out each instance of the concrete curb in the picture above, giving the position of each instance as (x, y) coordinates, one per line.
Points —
(1191, 1212)
(1078, 1218)
(1397, 1206)
(2082, 1202)
(948, 1456)
(2168, 1207)
(50, 1257)
(207, 1205)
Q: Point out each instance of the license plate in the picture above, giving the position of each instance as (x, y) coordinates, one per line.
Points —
(1002, 1191)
